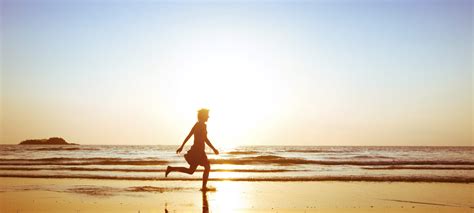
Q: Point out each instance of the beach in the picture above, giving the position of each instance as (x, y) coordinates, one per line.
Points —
(83, 195)
(242, 179)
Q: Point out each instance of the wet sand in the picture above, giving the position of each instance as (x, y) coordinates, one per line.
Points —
(82, 195)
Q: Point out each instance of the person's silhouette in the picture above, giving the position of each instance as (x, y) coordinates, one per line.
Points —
(196, 155)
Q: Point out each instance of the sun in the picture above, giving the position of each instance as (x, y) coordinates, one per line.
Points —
(231, 77)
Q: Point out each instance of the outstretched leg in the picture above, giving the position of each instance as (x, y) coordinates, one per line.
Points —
(189, 170)
(205, 176)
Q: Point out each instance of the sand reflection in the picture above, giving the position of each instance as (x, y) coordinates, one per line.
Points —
(205, 204)
(228, 196)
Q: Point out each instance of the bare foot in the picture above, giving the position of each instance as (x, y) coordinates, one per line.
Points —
(168, 170)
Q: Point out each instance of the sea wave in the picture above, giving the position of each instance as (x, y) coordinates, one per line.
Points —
(419, 168)
(370, 157)
(142, 170)
(361, 157)
(262, 159)
(255, 160)
(357, 178)
(313, 151)
(83, 161)
(273, 159)
(242, 152)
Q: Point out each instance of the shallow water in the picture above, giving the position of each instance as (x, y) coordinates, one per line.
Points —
(249, 163)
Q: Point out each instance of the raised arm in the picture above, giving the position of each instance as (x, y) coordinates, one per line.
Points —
(186, 140)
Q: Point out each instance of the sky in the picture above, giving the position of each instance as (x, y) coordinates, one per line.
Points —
(332, 73)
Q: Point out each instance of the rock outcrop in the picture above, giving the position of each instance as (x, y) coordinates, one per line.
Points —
(50, 141)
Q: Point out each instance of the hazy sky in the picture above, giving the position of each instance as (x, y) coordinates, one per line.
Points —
(276, 72)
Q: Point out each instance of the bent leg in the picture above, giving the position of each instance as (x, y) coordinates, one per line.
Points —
(189, 170)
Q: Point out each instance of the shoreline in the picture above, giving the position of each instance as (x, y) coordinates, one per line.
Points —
(391, 179)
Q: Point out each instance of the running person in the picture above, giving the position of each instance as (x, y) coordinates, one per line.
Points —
(196, 155)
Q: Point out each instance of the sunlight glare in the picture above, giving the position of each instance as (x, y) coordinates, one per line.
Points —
(229, 76)
(228, 197)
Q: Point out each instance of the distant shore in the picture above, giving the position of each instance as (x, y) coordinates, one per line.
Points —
(49, 141)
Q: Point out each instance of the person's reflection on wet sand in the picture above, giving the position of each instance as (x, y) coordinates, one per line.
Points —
(205, 204)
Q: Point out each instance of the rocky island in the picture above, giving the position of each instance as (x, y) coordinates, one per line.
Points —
(50, 141)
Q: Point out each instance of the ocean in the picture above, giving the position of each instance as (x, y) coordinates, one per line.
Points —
(245, 163)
